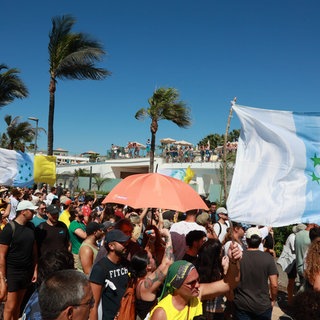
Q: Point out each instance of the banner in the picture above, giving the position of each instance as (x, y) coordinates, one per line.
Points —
(277, 170)
(45, 169)
(18, 168)
(185, 175)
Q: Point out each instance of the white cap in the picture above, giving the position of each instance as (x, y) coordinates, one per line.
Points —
(222, 210)
(26, 205)
(253, 232)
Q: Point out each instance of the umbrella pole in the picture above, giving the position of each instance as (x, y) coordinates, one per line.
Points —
(152, 215)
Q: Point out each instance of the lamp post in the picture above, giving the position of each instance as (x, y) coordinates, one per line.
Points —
(36, 133)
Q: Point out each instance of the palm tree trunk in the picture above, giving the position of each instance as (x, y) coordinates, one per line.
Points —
(52, 90)
(153, 129)
(152, 150)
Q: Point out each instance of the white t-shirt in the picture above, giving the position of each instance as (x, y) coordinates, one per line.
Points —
(264, 231)
(220, 230)
(49, 198)
(13, 209)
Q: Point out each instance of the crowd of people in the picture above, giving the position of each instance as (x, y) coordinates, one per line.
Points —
(131, 150)
(68, 256)
(172, 152)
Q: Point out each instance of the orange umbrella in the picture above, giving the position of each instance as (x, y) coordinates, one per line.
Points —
(155, 190)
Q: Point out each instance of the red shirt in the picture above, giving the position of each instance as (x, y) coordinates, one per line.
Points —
(86, 210)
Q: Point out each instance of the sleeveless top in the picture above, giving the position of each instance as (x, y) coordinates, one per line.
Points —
(143, 307)
(95, 252)
(187, 313)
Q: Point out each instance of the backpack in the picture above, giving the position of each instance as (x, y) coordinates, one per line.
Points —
(220, 229)
(127, 309)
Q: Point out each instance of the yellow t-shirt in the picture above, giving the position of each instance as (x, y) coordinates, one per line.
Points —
(187, 313)
(65, 218)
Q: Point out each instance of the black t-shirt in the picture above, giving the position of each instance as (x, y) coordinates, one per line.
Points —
(268, 241)
(115, 286)
(51, 238)
(189, 258)
(252, 293)
(20, 250)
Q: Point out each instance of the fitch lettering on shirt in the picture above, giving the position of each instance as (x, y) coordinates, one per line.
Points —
(117, 272)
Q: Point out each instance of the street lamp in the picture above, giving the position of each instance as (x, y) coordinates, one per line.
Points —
(36, 133)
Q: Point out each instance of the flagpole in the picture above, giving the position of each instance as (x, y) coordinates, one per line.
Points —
(225, 178)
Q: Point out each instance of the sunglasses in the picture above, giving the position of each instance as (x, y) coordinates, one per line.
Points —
(89, 303)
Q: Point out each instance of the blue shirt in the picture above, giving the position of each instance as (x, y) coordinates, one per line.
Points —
(32, 308)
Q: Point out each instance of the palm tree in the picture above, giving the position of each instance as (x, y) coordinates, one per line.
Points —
(164, 105)
(215, 140)
(100, 181)
(18, 133)
(71, 56)
(11, 86)
(234, 135)
(81, 172)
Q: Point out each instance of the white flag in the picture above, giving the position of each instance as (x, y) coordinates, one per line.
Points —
(16, 168)
(277, 172)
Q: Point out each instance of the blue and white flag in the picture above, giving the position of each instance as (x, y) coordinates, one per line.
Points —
(276, 180)
(16, 168)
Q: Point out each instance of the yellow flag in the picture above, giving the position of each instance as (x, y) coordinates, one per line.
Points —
(44, 169)
(189, 175)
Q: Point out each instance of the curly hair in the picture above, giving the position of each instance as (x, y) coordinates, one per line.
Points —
(313, 261)
(306, 305)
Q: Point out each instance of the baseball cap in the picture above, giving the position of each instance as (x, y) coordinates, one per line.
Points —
(253, 232)
(135, 218)
(108, 224)
(299, 227)
(53, 209)
(116, 235)
(203, 218)
(3, 189)
(26, 205)
(240, 225)
(65, 200)
(222, 210)
(93, 226)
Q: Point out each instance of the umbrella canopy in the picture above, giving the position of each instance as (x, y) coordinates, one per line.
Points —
(183, 143)
(167, 140)
(155, 190)
(142, 146)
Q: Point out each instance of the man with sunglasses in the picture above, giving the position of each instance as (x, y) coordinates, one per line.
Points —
(182, 293)
(66, 295)
(18, 257)
(41, 215)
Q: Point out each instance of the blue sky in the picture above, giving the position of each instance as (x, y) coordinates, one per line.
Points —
(266, 53)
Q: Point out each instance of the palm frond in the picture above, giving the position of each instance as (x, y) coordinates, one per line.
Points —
(11, 86)
(141, 114)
